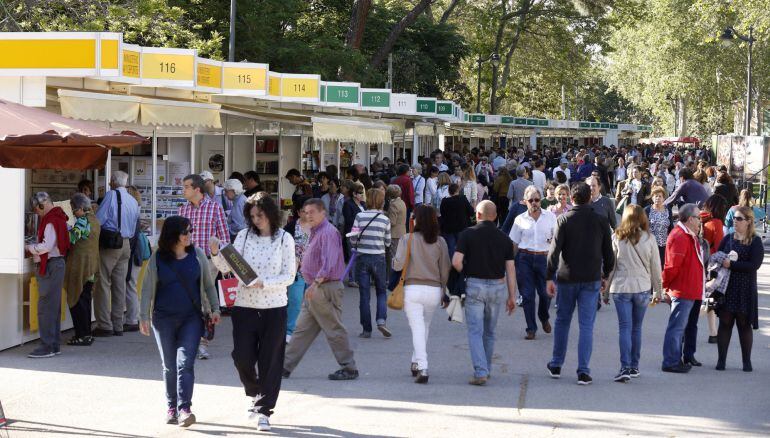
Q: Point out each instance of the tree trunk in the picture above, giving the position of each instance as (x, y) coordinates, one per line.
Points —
(357, 25)
(401, 26)
(523, 14)
(448, 11)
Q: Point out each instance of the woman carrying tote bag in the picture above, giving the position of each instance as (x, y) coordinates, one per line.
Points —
(426, 277)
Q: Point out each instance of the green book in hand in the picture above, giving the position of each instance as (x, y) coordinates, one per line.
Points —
(239, 265)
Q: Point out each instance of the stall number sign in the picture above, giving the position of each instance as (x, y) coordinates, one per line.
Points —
(478, 118)
(507, 120)
(240, 78)
(109, 54)
(131, 63)
(167, 66)
(444, 109)
(375, 99)
(403, 103)
(341, 94)
(209, 75)
(63, 53)
(426, 106)
(300, 87)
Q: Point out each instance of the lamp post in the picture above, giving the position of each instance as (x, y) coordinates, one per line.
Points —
(728, 36)
(495, 58)
(231, 46)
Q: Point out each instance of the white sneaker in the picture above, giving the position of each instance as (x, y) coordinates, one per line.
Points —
(288, 338)
(253, 411)
(203, 353)
(263, 425)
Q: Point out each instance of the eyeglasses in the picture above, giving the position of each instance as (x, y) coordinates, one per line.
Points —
(533, 200)
(188, 231)
(739, 218)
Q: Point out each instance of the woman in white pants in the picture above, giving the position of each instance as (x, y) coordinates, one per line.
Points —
(427, 272)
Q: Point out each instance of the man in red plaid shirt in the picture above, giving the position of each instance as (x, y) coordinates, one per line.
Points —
(207, 219)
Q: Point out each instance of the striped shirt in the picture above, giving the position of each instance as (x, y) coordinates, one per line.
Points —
(376, 237)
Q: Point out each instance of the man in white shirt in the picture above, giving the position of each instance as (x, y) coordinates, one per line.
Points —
(418, 182)
(431, 186)
(538, 176)
(532, 233)
(562, 167)
(438, 161)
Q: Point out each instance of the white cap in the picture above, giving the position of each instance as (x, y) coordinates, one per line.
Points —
(206, 175)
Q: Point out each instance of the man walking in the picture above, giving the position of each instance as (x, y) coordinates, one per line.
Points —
(418, 182)
(322, 269)
(602, 205)
(683, 276)
(207, 219)
(517, 186)
(581, 257)
(118, 213)
(532, 234)
(485, 256)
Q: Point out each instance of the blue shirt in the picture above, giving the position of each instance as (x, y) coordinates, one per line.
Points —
(171, 298)
(236, 221)
(108, 213)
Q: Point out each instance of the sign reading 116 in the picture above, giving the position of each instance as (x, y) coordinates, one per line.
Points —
(168, 67)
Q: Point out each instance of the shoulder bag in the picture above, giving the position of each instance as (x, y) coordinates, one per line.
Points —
(209, 329)
(396, 297)
(109, 239)
(354, 250)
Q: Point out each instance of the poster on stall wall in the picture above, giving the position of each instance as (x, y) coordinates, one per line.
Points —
(724, 147)
(177, 171)
(142, 171)
(738, 156)
(216, 163)
(756, 150)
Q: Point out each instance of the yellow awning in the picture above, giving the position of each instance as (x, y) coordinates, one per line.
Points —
(351, 131)
(99, 106)
(424, 129)
(175, 113)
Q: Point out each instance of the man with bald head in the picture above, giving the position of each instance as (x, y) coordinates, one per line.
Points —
(484, 255)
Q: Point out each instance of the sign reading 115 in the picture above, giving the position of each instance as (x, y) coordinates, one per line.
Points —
(244, 79)
(168, 67)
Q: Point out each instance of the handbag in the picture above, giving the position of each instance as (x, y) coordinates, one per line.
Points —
(396, 298)
(109, 239)
(354, 250)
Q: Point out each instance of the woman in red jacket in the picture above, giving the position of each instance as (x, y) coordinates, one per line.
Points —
(713, 219)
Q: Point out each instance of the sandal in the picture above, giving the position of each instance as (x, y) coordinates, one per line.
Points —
(82, 342)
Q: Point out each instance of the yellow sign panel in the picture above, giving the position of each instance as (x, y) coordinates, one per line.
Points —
(209, 75)
(168, 66)
(131, 63)
(110, 54)
(275, 85)
(41, 53)
(299, 87)
(249, 78)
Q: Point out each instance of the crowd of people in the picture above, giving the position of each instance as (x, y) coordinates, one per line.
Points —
(495, 229)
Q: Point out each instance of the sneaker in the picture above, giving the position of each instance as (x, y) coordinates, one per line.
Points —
(344, 374)
(478, 381)
(422, 377)
(384, 330)
(186, 418)
(712, 339)
(414, 369)
(171, 416)
(288, 338)
(555, 372)
(584, 379)
(678, 368)
(131, 327)
(41, 352)
(253, 410)
(263, 424)
(634, 372)
(57, 350)
(203, 353)
(365, 335)
(101, 333)
(623, 376)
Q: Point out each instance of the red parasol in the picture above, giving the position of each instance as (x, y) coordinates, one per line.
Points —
(33, 138)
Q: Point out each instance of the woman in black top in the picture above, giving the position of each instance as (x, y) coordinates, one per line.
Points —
(740, 305)
(350, 208)
(456, 213)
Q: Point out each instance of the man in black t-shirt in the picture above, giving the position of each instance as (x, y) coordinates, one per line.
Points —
(484, 255)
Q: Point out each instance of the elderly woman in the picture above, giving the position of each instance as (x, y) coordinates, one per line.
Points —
(81, 268)
(235, 193)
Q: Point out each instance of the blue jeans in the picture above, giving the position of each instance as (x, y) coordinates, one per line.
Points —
(530, 275)
(370, 266)
(296, 292)
(584, 296)
(631, 308)
(677, 321)
(691, 332)
(483, 300)
(451, 242)
(178, 341)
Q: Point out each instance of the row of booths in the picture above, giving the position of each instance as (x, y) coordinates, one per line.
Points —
(199, 115)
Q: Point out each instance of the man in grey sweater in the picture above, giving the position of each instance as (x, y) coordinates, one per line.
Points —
(602, 205)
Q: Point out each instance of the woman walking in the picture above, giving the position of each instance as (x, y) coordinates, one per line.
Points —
(300, 231)
(660, 219)
(259, 313)
(81, 268)
(442, 191)
(500, 193)
(741, 305)
(426, 276)
(177, 292)
(396, 211)
(562, 201)
(370, 243)
(350, 208)
(637, 274)
(470, 190)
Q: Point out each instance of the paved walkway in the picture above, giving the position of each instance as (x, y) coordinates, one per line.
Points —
(113, 389)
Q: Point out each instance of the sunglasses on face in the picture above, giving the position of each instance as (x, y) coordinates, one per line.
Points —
(188, 231)
(533, 200)
(739, 218)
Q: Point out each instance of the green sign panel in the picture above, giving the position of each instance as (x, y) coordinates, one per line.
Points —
(585, 124)
(341, 94)
(613, 126)
(426, 106)
(507, 120)
(478, 118)
(520, 121)
(323, 93)
(596, 125)
(532, 122)
(543, 122)
(604, 125)
(375, 99)
(443, 108)
(466, 117)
